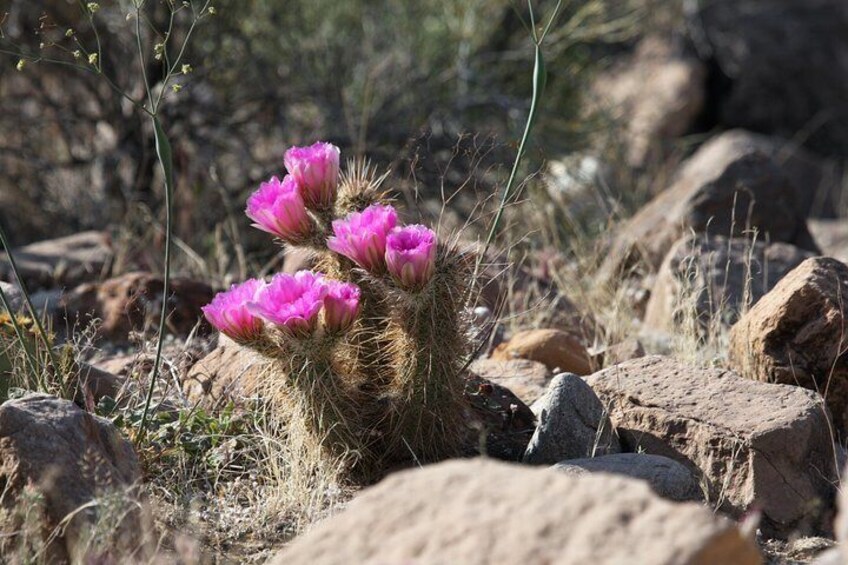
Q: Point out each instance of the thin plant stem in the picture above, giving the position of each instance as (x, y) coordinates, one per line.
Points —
(36, 374)
(539, 79)
(163, 152)
(25, 293)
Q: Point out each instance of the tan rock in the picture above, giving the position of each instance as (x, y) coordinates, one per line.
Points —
(796, 334)
(132, 302)
(527, 379)
(65, 261)
(557, 350)
(755, 445)
(227, 372)
(722, 189)
(70, 457)
(481, 512)
(708, 281)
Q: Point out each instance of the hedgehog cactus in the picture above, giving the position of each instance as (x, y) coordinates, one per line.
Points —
(367, 351)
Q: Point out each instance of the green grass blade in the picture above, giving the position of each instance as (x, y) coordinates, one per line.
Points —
(163, 153)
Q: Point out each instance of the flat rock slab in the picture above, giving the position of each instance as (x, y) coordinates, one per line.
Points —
(482, 512)
(755, 445)
(796, 334)
(65, 261)
(573, 424)
(666, 477)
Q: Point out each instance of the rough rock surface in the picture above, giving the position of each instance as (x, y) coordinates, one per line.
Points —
(667, 477)
(630, 348)
(658, 91)
(781, 66)
(573, 424)
(132, 302)
(557, 350)
(527, 379)
(482, 512)
(230, 370)
(796, 334)
(755, 445)
(70, 457)
(65, 261)
(722, 190)
(711, 279)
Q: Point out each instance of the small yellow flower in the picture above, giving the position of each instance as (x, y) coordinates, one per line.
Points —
(93, 7)
(21, 64)
(212, 10)
(70, 32)
(77, 54)
(92, 59)
(176, 87)
(186, 69)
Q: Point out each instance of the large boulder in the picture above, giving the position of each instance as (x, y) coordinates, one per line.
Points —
(708, 281)
(70, 458)
(482, 512)
(754, 445)
(780, 66)
(133, 302)
(573, 424)
(65, 261)
(817, 181)
(722, 190)
(658, 91)
(796, 334)
(666, 477)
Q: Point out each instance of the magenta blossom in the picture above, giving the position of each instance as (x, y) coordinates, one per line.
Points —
(228, 312)
(341, 305)
(278, 208)
(411, 255)
(291, 301)
(316, 170)
(361, 236)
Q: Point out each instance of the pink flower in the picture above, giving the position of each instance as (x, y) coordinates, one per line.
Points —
(291, 301)
(316, 170)
(341, 305)
(361, 236)
(228, 312)
(278, 208)
(411, 255)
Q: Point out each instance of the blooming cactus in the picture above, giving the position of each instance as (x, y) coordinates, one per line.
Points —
(278, 208)
(229, 313)
(291, 301)
(341, 305)
(316, 171)
(411, 255)
(361, 236)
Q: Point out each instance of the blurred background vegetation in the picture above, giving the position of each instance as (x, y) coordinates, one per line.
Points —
(435, 91)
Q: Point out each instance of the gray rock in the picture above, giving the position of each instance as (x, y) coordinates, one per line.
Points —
(666, 477)
(71, 458)
(13, 295)
(572, 424)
